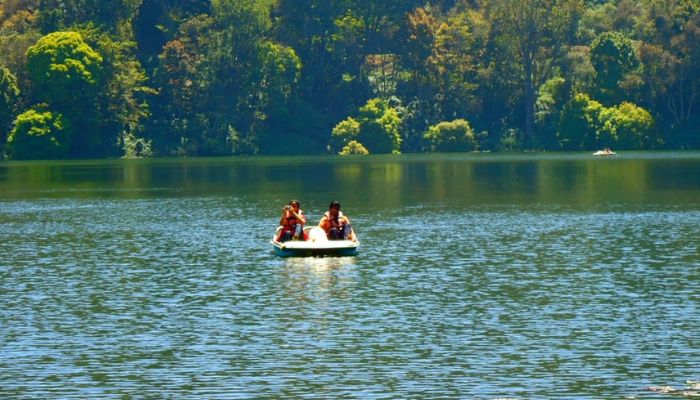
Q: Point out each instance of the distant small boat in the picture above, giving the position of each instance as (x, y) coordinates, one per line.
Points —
(604, 152)
(316, 244)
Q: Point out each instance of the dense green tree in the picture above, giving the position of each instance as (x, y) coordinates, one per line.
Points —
(354, 147)
(122, 97)
(225, 87)
(345, 132)
(578, 71)
(536, 31)
(63, 68)
(578, 125)
(376, 129)
(443, 80)
(587, 124)
(182, 99)
(379, 127)
(634, 127)
(550, 100)
(624, 16)
(18, 32)
(278, 76)
(65, 72)
(9, 96)
(452, 136)
(613, 58)
(419, 41)
(39, 134)
(671, 67)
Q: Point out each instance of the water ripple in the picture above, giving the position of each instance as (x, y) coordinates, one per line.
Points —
(182, 298)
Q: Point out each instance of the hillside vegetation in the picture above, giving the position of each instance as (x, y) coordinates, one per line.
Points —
(139, 78)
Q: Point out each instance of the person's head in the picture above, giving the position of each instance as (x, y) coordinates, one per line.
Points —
(334, 208)
(294, 204)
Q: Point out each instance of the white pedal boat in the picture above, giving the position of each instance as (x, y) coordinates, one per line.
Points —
(317, 244)
(604, 153)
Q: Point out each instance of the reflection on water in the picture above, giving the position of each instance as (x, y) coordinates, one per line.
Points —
(319, 265)
(578, 179)
(494, 277)
(317, 278)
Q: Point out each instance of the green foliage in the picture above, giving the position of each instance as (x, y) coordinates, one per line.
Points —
(108, 14)
(453, 136)
(634, 127)
(122, 97)
(613, 58)
(354, 147)
(550, 101)
(586, 124)
(63, 68)
(221, 77)
(38, 134)
(136, 147)
(345, 132)
(510, 140)
(225, 87)
(280, 70)
(9, 95)
(578, 123)
(379, 127)
(376, 129)
(442, 71)
(66, 73)
(532, 35)
(17, 33)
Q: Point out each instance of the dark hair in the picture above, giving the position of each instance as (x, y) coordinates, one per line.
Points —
(334, 204)
(293, 202)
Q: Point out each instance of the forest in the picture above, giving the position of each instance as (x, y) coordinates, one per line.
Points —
(157, 78)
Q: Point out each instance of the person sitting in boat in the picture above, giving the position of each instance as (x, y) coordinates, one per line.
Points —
(292, 222)
(335, 224)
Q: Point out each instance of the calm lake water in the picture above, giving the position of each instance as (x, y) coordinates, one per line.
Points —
(534, 276)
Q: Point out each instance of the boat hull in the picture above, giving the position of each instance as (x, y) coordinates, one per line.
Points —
(315, 246)
(604, 153)
(302, 249)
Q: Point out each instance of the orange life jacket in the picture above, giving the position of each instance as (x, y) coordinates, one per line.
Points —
(333, 223)
(291, 222)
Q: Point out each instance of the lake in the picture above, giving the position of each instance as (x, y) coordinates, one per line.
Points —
(484, 276)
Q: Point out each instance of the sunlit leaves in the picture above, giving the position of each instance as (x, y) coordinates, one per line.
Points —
(62, 66)
(376, 128)
(452, 136)
(587, 124)
(38, 134)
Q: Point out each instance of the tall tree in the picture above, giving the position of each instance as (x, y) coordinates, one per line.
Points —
(122, 95)
(440, 58)
(65, 72)
(613, 58)
(538, 31)
(671, 66)
(9, 95)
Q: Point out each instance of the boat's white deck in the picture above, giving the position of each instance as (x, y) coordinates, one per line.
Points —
(317, 245)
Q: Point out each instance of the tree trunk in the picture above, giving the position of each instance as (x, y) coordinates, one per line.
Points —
(529, 98)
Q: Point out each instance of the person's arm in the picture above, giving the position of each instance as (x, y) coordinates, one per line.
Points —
(283, 218)
(299, 217)
(322, 223)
